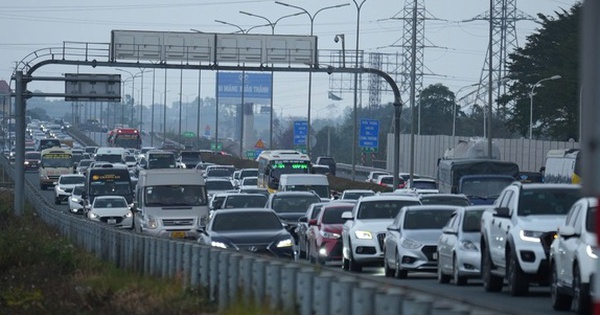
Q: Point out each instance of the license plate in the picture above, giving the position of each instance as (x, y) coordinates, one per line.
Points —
(435, 256)
(111, 221)
(178, 234)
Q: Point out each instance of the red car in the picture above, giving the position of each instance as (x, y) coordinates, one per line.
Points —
(324, 236)
(32, 160)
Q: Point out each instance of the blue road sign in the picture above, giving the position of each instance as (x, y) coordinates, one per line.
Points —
(257, 87)
(300, 132)
(369, 134)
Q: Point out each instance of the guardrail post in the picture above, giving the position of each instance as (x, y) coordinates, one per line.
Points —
(187, 263)
(363, 298)
(304, 290)
(446, 307)
(246, 278)
(222, 296)
(172, 257)
(418, 305)
(138, 250)
(321, 293)
(389, 302)
(213, 276)
(288, 288)
(147, 255)
(178, 260)
(205, 253)
(273, 284)
(341, 296)
(258, 281)
(234, 277)
(194, 271)
(163, 257)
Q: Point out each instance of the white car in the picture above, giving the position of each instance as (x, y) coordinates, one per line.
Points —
(573, 259)
(64, 186)
(365, 228)
(356, 194)
(459, 257)
(112, 210)
(75, 201)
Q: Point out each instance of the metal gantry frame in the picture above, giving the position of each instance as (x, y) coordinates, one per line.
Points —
(23, 76)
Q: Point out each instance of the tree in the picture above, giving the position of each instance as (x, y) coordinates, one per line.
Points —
(437, 102)
(552, 50)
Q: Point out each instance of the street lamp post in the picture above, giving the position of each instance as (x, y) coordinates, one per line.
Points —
(133, 76)
(355, 106)
(554, 77)
(312, 23)
(454, 107)
(336, 39)
(272, 24)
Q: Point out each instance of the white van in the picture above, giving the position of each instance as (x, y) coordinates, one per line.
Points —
(306, 182)
(170, 203)
(110, 154)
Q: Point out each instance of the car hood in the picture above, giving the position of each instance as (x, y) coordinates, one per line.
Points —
(110, 212)
(250, 237)
(375, 225)
(542, 222)
(423, 236)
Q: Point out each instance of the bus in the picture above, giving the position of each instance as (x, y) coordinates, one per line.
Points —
(54, 162)
(107, 179)
(563, 166)
(273, 163)
(125, 138)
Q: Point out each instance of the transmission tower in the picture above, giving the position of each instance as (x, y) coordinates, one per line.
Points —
(375, 61)
(412, 8)
(504, 17)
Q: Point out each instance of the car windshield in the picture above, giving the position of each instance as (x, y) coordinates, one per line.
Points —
(294, 203)
(130, 158)
(70, 180)
(78, 190)
(547, 201)
(219, 185)
(424, 185)
(32, 156)
(356, 195)
(382, 209)
(316, 211)
(218, 173)
(245, 221)
(244, 201)
(322, 191)
(175, 195)
(427, 219)
(472, 221)
(333, 215)
(110, 203)
(485, 187)
(248, 173)
(590, 223)
(111, 158)
(99, 188)
(433, 199)
(387, 180)
(250, 181)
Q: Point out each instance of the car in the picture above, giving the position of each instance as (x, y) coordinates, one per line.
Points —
(459, 258)
(75, 201)
(130, 161)
(64, 186)
(445, 199)
(215, 201)
(216, 185)
(291, 205)
(301, 230)
(354, 194)
(372, 176)
(83, 165)
(574, 257)
(254, 190)
(410, 243)
(517, 233)
(247, 172)
(255, 230)
(329, 161)
(219, 171)
(203, 165)
(243, 200)
(189, 158)
(365, 229)
(422, 183)
(320, 169)
(112, 210)
(249, 181)
(32, 160)
(324, 237)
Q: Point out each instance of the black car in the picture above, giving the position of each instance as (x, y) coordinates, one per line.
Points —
(255, 230)
(329, 161)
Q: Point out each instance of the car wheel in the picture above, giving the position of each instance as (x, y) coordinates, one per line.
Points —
(398, 272)
(441, 277)
(560, 301)
(56, 201)
(491, 283)
(458, 279)
(42, 187)
(581, 295)
(302, 249)
(518, 285)
(389, 272)
(352, 264)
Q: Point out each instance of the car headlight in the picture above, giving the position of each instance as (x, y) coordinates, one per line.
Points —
(468, 245)
(74, 199)
(26, 162)
(285, 243)
(94, 216)
(218, 244)
(329, 234)
(152, 223)
(530, 236)
(363, 235)
(129, 214)
(410, 244)
(590, 251)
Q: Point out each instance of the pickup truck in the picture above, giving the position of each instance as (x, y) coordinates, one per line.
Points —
(517, 231)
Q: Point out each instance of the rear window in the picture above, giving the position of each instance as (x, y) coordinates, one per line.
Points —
(445, 200)
(333, 215)
(219, 185)
(294, 203)
(382, 209)
(427, 219)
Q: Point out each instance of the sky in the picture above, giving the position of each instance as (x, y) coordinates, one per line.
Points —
(454, 54)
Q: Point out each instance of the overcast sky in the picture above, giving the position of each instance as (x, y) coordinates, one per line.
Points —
(454, 57)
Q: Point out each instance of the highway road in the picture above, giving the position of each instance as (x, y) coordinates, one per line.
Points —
(538, 301)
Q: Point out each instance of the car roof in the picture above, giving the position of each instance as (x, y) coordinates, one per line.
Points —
(293, 193)
(216, 179)
(387, 197)
(461, 196)
(432, 207)
(109, 197)
(245, 210)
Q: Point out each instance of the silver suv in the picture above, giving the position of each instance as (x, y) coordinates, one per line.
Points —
(517, 231)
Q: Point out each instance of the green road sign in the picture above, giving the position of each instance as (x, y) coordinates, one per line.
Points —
(219, 146)
(189, 134)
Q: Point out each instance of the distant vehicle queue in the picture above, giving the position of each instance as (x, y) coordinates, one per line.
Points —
(438, 225)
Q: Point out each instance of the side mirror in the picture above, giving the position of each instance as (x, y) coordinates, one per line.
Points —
(347, 215)
(502, 212)
(393, 228)
(303, 219)
(566, 231)
(312, 222)
(448, 230)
